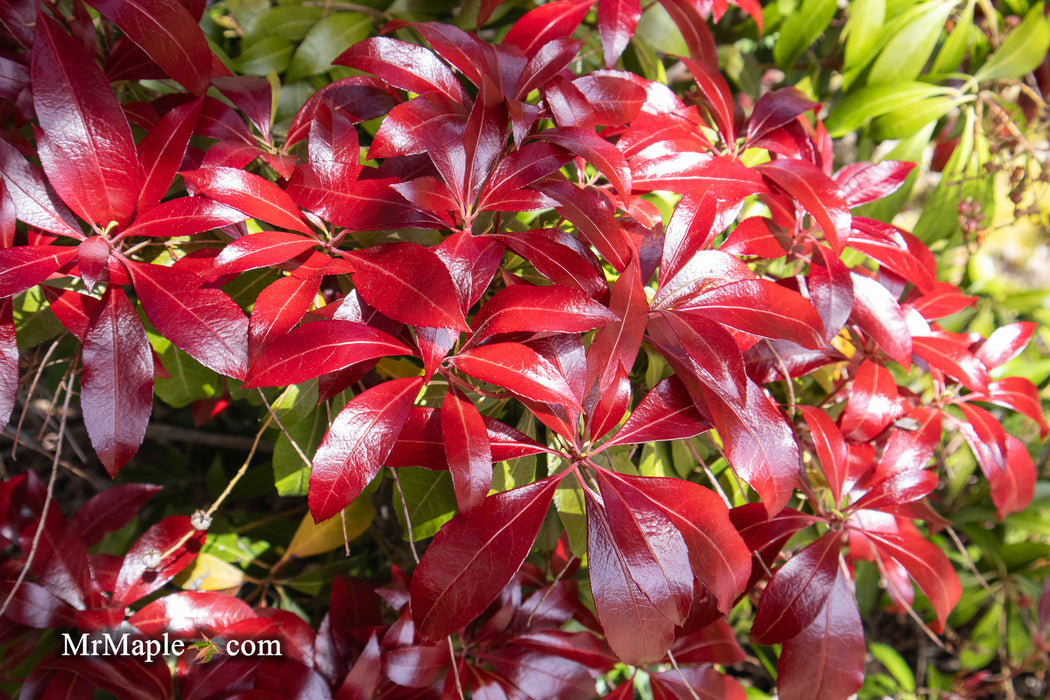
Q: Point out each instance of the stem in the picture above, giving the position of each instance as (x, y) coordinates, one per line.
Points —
(404, 510)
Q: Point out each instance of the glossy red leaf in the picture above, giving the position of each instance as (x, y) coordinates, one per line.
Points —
(278, 308)
(705, 349)
(261, 249)
(872, 403)
(1005, 343)
(717, 97)
(318, 348)
(700, 272)
(88, 155)
(1020, 395)
(617, 20)
(518, 169)
(825, 661)
(914, 439)
(475, 555)
(195, 613)
(519, 369)
(797, 592)
(409, 283)
(185, 216)
(204, 323)
(549, 60)
(691, 227)
(33, 201)
(559, 257)
(403, 65)
(593, 217)
(116, 393)
(61, 562)
(356, 444)
(830, 290)
(251, 194)
(541, 674)
(866, 182)
(162, 150)
(686, 170)
(985, 435)
(23, 267)
(93, 261)
(434, 345)
(110, 510)
(421, 443)
(662, 132)
(816, 192)
(135, 580)
(777, 108)
(528, 308)
(417, 666)
(1013, 488)
(8, 361)
(611, 405)
(635, 627)
(877, 313)
(130, 677)
(831, 449)
(896, 250)
(168, 33)
(416, 126)
(667, 412)
(467, 450)
(472, 261)
(618, 97)
(952, 356)
(543, 24)
(942, 299)
(603, 155)
(616, 344)
(926, 564)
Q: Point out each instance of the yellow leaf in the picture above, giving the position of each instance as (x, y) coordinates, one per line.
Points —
(209, 573)
(312, 538)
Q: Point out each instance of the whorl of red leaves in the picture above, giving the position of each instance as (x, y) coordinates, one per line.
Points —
(471, 131)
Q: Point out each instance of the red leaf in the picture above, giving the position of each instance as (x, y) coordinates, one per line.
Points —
(617, 20)
(278, 308)
(261, 249)
(865, 182)
(896, 250)
(256, 197)
(116, 393)
(434, 345)
(191, 613)
(826, 660)
(986, 436)
(872, 403)
(409, 283)
(417, 666)
(797, 592)
(1005, 343)
(1014, 487)
(816, 192)
(831, 449)
(593, 217)
(776, 109)
(520, 369)
(475, 555)
(403, 65)
(135, 580)
(318, 348)
(717, 97)
(691, 19)
(166, 31)
(61, 562)
(467, 450)
(8, 361)
(691, 227)
(612, 404)
(110, 510)
(604, 156)
(88, 155)
(416, 126)
(700, 273)
(709, 352)
(549, 60)
(23, 267)
(185, 216)
(618, 97)
(830, 290)
(666, 413)
(204, 323)
(356, 444)
(559, 257)
(472, 261)
(466, 160)
(925, 563)
(527, 308)
(877, 313)
(520, 168)
(550, 21)
(617, 344)
(1020, 395)
(914, 439)
(635, 627)
(942, 299)
(161, 152)
(127, 676)
(689, 170)
(952, 357)
(33, 201)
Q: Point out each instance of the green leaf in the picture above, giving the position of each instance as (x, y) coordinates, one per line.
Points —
(271, 52)
(906, 53)
(568, 501)
(801, 29)
(909, 120)
(326, 40)
(291, 475)
(1022, 51)
(291, 22)
(430, 499)
(954, 50)
(895, 664)
(865, 22)
(874, 101)
(189, 381)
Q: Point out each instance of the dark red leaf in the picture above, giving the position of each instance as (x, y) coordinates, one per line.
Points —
(700, 273)
(663, 132)
(116, 392)
(356, 444)
(409, 283)
(865, 182)
(712, 644)
(249, 193)
(797, 592)
(549, 60)
(831, 449)
(193, 613)
(776, 109)
(416, 126)
(816, 192)
(204, 323)
(541, 674)
(559, 257)
(467, 450)
(23, 267)
(717, 98)
(942, 299)
(520, 168)
(318, 348)
(593, 217)
(709, 352)
(434, 345)
(618, 97)
(129, 676)
(689, 170)
(830, 290)
(914, 439)
(61, 562)
(666, 413)
(93, 260)
(278, 309)
(475, 555)
(612, 404)
(896, 250)
(403, 65)
(166, 31)
(261, 249)
(360, 97)
(550, 21)
(161, 152)
(185, 216)
(88, 155)
(872, 403)
(472, 261)
(691, 227)
(825, 661)
(691, 19)
(1014, 487)
(417, 666)
(110, 510)
(877, 313)
(527, 308)
(617, 20)
(616, 344)
(252, 95)
(33, 201)
(136, 580)
(520, 369)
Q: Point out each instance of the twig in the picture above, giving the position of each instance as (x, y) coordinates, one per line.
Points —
(682, 676)
(455, 668)
(29, 395)
(273, 414)
(404, 509)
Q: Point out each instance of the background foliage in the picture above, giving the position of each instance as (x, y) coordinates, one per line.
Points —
(210, 334)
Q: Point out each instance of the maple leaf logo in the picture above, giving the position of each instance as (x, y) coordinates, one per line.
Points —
(206, 648)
